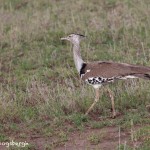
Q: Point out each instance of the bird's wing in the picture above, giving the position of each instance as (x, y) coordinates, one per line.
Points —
(108, 69)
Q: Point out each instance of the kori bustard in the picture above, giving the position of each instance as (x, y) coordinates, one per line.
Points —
(103, 72)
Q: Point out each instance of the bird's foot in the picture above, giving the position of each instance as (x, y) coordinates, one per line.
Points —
(114, 115)
(86, 114)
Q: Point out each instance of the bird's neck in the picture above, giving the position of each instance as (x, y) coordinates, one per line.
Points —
(77, 57)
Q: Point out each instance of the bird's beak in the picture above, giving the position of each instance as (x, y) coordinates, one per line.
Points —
(64, 38)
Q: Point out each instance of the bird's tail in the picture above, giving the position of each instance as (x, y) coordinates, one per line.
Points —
(143, 76)
(141, 71)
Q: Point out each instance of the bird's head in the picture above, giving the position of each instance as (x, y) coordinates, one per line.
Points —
(74, 38)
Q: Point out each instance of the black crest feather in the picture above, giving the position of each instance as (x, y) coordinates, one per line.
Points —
(79, 34)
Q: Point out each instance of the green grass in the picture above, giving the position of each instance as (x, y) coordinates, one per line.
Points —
(39, 84)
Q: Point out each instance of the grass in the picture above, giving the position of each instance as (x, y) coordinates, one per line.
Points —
(39, 85)
(95, 139)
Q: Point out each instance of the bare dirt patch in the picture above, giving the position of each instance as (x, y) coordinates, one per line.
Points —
(105, 139)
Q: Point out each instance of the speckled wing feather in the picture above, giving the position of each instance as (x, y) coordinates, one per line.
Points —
(108, 69)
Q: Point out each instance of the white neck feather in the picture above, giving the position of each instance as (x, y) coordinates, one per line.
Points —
(77, 56)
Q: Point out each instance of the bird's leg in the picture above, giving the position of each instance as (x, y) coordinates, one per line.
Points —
(95, 101)
(112, 102)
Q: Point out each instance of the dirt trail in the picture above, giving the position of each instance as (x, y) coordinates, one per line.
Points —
(90, 139)
(101, 139)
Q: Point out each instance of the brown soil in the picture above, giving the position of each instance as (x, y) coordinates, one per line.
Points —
(90, 139)
(109, 139)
